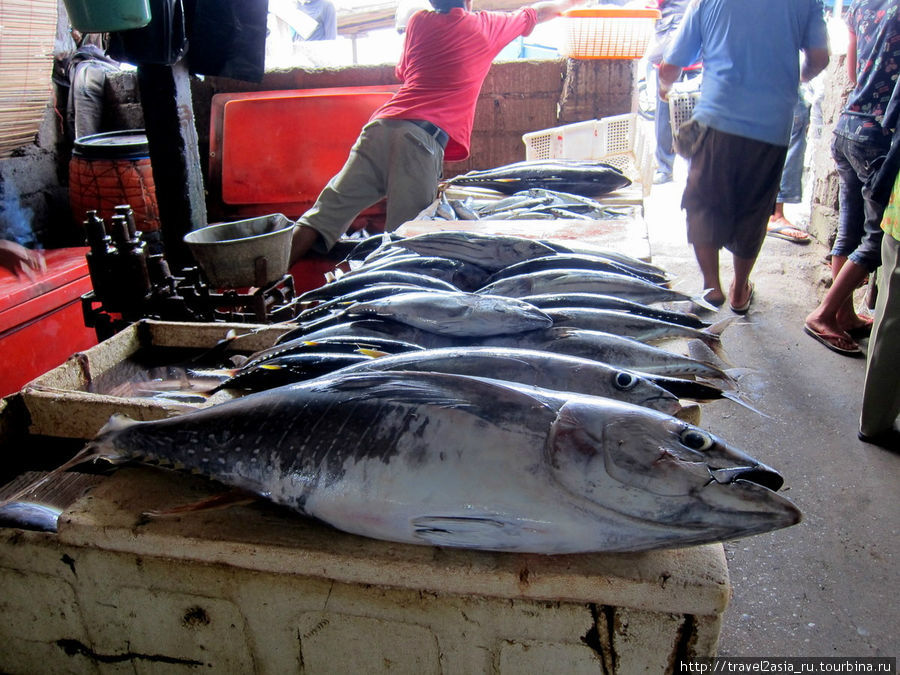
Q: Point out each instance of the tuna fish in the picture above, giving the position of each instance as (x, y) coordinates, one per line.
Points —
(643, 328)
(464, 275)
(490, 251)
(349, 283)
(535, 368)
(581, 177)
(449, 460)
(574, 261)
(289, 368)
(598, 301)
(616, 350)
(587, 281)
(458, 314)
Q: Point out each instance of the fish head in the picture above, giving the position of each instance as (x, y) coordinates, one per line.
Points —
(643, 392)
(660, 473)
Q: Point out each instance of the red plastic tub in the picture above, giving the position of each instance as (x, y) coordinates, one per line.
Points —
(41, 323)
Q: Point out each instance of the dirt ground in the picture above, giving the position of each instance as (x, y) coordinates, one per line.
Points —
(827, 586)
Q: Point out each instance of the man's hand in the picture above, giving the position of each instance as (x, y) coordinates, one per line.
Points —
(550, 9)
(21, 261)
(668, 75)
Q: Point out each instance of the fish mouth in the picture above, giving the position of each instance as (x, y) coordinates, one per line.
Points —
(760, 474)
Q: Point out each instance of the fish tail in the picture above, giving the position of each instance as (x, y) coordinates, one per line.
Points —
(736, 398)
(701, 301)
(719, 326)
(715, 344)
(92, 452)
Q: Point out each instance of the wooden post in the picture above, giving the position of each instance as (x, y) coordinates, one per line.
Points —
(174, 155)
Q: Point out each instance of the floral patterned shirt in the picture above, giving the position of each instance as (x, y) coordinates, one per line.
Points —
(890, 222)
(876, 24)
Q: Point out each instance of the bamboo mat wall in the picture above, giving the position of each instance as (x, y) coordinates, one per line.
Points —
(27, 34)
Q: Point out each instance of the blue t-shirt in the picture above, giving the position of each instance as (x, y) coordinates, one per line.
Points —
(751, 61)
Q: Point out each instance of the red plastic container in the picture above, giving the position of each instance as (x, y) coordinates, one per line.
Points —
(275, 150)
(41, 324)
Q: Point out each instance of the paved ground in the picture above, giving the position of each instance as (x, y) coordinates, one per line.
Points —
(828, 586)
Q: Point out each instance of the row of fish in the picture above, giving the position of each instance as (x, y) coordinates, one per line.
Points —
(405, 408)
(531, 204)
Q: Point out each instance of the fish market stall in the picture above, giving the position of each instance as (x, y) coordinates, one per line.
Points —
(255, 588)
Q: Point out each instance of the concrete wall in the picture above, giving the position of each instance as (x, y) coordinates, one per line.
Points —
(824, 208)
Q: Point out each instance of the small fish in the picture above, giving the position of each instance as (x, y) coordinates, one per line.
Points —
(449, 460)
(463, 210)
(457, 314)
(587, 281)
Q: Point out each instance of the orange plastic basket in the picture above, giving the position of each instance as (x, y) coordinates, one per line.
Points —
(609, 33)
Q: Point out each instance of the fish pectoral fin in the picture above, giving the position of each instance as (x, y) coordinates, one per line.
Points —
(223, 500)
(467, 532)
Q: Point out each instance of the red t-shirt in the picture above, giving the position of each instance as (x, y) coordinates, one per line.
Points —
(445, 60)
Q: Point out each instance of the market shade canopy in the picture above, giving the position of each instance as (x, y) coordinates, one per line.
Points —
(27, 33)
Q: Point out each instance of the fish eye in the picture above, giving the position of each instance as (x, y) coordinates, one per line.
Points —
(624, 381)
(696, 439)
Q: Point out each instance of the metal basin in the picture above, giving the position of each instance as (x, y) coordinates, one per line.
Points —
(243, 253)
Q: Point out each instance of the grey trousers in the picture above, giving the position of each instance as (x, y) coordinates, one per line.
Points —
(391, 158)
(881, 391)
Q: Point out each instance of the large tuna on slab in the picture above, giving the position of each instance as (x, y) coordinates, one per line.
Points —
(581, 177)
(449, 460)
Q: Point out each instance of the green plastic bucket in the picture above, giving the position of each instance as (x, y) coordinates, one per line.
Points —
(105, 16)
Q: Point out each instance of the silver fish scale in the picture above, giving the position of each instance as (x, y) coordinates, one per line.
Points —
(308, 432)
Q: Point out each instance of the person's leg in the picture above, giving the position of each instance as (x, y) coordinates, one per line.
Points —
(665, 152)
(823, 319)
(739, 293)
(881, 390)
(708, 260)
(358, 185)
(414, 171)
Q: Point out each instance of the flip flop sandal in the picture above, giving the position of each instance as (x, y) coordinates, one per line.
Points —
(743, 309)
(831, 341)
(860, 332)
(781, 232)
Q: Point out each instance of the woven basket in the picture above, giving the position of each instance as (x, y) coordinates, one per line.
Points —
(609, 33)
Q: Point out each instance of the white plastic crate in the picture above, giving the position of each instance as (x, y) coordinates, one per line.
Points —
(682, 99)
(620, 140)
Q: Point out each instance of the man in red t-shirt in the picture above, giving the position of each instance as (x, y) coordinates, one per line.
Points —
(400, 152)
